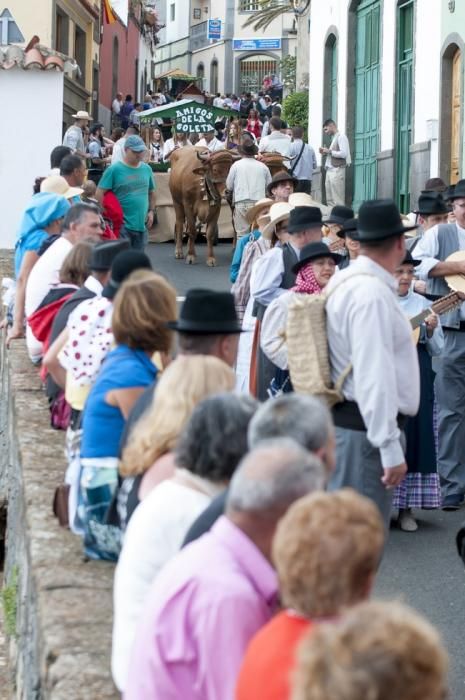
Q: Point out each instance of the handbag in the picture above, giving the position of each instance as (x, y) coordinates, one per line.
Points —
(60, 504)
(60, 412)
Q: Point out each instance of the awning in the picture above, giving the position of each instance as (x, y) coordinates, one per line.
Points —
(177, 74)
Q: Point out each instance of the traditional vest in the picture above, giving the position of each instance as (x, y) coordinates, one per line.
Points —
(448, 241)
(289, 260)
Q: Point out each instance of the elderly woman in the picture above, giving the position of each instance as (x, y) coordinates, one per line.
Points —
(421, 487)
(315, 268)
(379, 650)
(210, 448)
(148, 457)
(326, 550)
(43, 218)
(141, 311)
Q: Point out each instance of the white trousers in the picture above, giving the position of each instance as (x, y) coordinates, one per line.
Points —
(335, 186)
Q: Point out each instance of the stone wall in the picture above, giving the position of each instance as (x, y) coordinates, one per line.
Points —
(61, 649)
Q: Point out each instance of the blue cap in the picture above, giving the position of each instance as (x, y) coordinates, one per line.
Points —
(134, 143)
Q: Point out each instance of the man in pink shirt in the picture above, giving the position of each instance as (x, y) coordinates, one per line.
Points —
(210, 600)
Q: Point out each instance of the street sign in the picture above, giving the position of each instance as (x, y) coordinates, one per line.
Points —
(214, 29)
(257, 44)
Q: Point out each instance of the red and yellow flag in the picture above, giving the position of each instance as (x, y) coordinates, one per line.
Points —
(110, 16)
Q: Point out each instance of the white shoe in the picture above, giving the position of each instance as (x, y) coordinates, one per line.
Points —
(407, 522)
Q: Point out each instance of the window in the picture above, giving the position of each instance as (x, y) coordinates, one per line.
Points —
(114, 67)
(9, 30)
(214, 77)
(249, 5)
(80, 40)
(200, 75)
(172, 12)
(61, 32)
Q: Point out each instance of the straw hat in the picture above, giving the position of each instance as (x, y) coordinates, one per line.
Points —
(258, 207)
(82, 114)
(278, 212)
(300, 199)
(58, 185)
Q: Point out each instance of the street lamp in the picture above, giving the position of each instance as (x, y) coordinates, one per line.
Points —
(300, 7)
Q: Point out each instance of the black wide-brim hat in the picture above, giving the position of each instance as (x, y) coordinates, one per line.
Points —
(379, 219)
(430, 203)
(339, 215)
(314, 251)
(124, 263)
(103, 254)
(458, 191)
(282, 176)
(248, 148)
(349, 228)
(205, 312)
(410, 260)
(303, 218)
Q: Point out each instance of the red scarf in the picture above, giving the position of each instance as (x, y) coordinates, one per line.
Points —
(306, 281)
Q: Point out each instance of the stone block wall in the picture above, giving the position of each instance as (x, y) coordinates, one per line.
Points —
(61, 649)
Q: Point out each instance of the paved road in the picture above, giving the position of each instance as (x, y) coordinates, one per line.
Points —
(183, 276)
(420, 568)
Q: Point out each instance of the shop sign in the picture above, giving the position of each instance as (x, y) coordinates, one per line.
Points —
(257, 44)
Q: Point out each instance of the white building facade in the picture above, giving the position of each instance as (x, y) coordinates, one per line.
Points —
(236, 60)
(375, 69)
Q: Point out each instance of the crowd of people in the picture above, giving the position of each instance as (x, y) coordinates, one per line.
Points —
(247, 520)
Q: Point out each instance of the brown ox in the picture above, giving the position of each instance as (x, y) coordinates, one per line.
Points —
(197, 182)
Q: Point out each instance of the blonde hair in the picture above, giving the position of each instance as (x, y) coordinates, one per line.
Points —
(188, 380)
(142, 308)
(384, 651)
(326, 549)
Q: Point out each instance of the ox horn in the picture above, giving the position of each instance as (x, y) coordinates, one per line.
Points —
(202, 155)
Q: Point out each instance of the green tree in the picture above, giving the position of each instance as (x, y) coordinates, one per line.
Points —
(295, 109)
(287, 67)
(272, 9)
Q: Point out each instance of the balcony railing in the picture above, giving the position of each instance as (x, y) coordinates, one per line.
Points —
(198, 36)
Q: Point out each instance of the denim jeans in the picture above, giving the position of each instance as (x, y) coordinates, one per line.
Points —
(137, 239)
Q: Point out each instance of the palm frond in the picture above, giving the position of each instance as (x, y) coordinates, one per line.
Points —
(271, 10)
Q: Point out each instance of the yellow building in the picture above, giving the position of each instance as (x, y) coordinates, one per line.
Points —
(71, 27)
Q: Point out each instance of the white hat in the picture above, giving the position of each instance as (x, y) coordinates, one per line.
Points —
(278, 212)
(82, 114)
(300, 199)
(58, 185)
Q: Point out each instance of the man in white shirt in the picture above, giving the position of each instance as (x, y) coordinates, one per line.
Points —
(276, 142)
(248, 179)
(82, 222)
(73, 137)
(116, 109)
(218, 101)
(370, 338)
(337, 159)
(433, 249)
(210, 141)
(118, 149)
(304, 161)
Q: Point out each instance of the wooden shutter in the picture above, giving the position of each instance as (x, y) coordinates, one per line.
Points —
(456, 110)
(367, 93)
(404, 100)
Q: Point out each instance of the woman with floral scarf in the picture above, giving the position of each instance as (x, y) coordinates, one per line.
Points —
(315, 268)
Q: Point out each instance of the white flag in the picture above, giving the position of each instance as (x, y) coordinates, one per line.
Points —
(121, 7)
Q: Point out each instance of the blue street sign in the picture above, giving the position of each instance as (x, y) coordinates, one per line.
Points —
(214, 29)
(256, 44)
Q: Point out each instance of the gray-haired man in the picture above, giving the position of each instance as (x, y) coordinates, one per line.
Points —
(304, 419)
